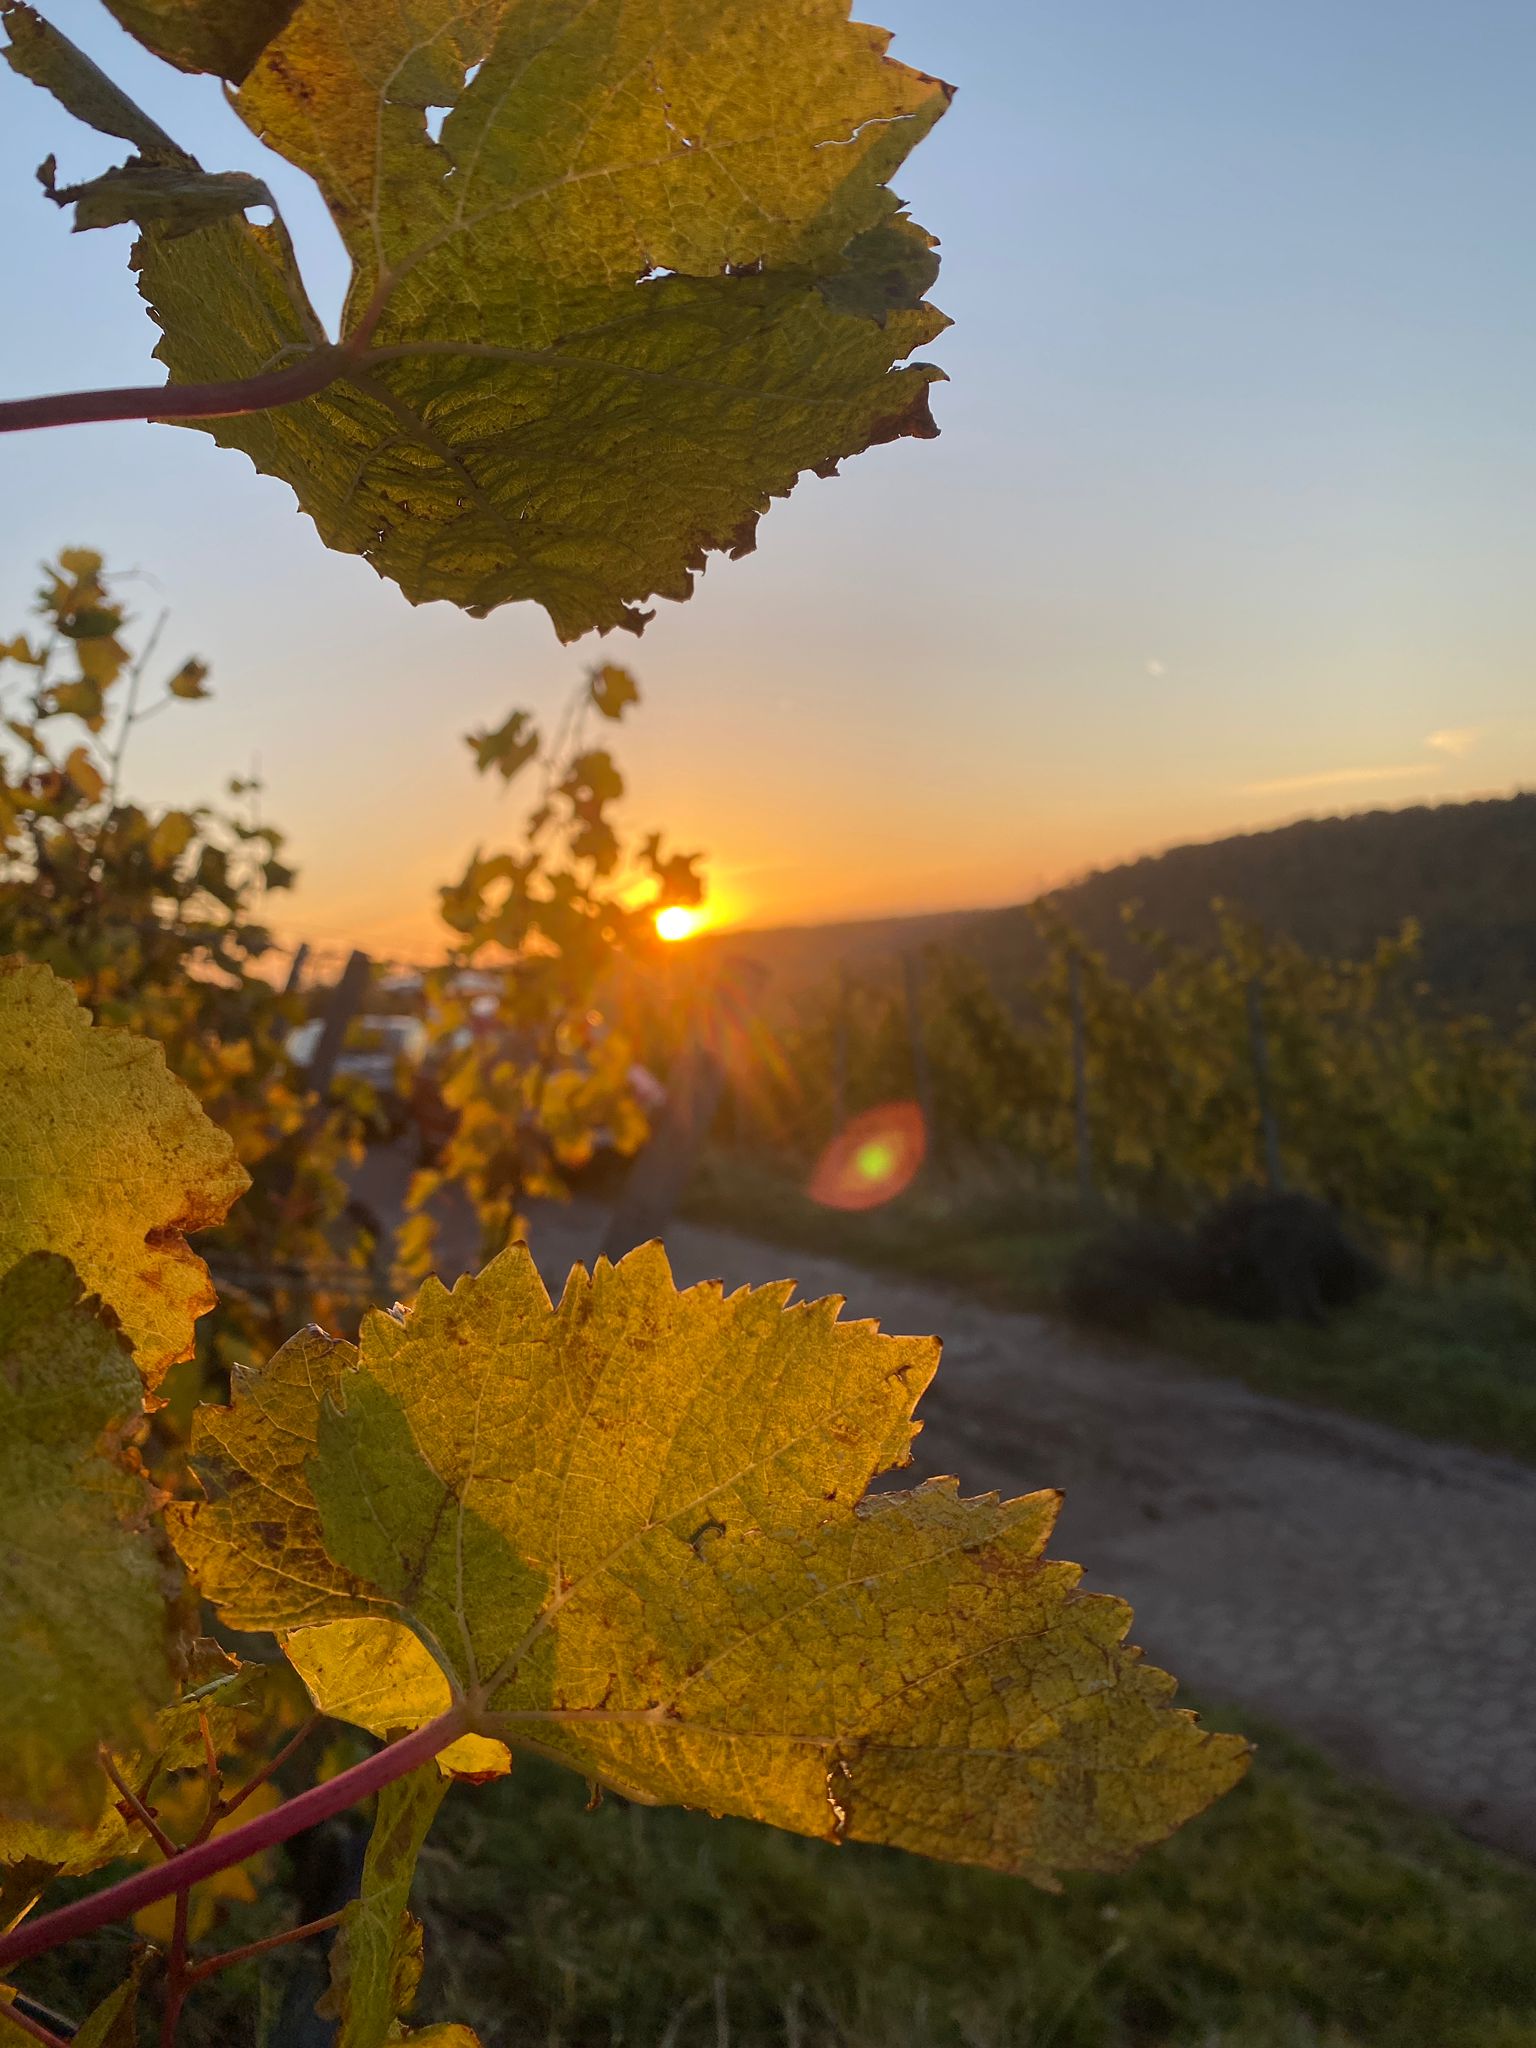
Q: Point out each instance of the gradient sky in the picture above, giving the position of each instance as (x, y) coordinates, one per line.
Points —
(1229, 522)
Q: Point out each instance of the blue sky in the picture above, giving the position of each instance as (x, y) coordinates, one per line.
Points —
(1229, 521)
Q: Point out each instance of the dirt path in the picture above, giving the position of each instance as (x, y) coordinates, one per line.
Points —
(1374, 1594)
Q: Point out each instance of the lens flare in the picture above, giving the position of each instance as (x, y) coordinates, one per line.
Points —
(873, 1159)
(677, 922)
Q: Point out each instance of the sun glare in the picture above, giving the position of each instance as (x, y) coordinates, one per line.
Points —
(677, 922)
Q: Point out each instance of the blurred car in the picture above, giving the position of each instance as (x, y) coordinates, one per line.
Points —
(384, 1052)
(435, 1120)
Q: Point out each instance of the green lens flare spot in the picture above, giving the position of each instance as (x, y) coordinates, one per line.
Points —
(875, 1160)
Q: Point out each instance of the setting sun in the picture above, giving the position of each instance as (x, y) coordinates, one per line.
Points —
(677, 922)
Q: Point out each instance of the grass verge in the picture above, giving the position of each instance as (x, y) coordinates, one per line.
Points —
(1301, 1911)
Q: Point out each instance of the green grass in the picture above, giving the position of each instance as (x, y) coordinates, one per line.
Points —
(1454, 1362)
(1300, 1911)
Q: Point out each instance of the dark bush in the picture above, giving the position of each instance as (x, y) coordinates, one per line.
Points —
(1269, 1258)
(1121, 1279)
(1259, 1256)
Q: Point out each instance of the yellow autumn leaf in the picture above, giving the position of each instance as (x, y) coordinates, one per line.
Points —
(80, 699)
(189, 678)
(85, 1627)
(84, 774)
(106, 1159)
(102, 659)
(611, 689)
(634, 1531)
(379, 1676)
(415, 1243)
(171, 837)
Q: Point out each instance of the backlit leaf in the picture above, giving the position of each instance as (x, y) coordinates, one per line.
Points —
(189, 679)
(645, 273)
(84, 1623)
(173, 834)
(38, 51)
(612, 688)
(180, 1809)
(379, 1676)
(234, 1699)
(82, 699)
(85, 775)
(107, 1160)
(634, 1530)
(506, 749)
(114, 2023)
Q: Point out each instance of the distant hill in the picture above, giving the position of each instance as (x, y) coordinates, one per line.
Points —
(1466, 872)
(797, 955)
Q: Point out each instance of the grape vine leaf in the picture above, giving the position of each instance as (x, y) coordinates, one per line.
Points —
(235, 1700)
(114, 2023)
(379, 1676)
(170, 196)
(612, 689)
(376, 1958)
(84, 1616)
(507, 748)
(222, 36)
(633, 1531)
(107, 1159)
(36, 50)
(645, 273)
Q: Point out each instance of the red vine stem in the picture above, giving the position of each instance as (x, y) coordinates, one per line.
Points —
(219, 400)
(231, 1956)
(181, 401)
(136, 1809)
(181, 1871)
(236, 1799)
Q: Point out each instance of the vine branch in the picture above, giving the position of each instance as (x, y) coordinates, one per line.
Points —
(231, 1956)
(137, 1808)
(219, 400)
(291, 1747)
(181, 1871)
(222, 399)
